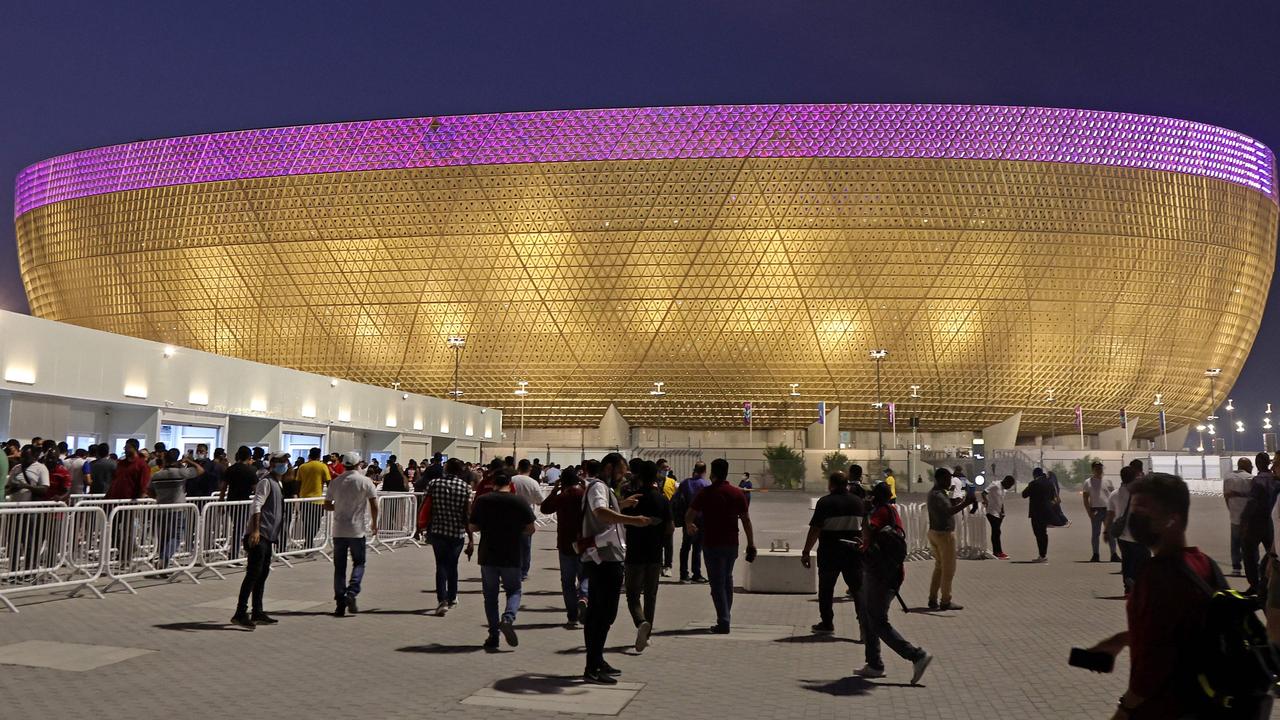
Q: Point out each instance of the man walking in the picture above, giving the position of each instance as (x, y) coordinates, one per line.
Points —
(502, 519)
(884, 543)
(1235, 490)
(353, 500)
(836, 526)
(565, 502)
(526, 488)
(1097, 491)
(1132, 554)
(942, 538)
(643, 565)
(1255, 520)
(602, 554)
(265, 524)
(1041, 493)
(450, 498)
(690, 540)
(721, 506)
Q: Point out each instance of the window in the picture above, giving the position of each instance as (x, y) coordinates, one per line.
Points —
(77, 442)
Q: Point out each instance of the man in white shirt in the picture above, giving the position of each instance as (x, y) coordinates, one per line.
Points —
(75, 466)
(1097, 491)
(528, 490)
(551, 474)
(1235, 490)
(1132, 553)
(993, 499)
(353, 500)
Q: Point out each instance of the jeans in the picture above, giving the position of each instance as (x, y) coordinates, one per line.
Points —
(1040, 528)
(944, 564)
(1237, 554)
(1251, 536)
(687, 543)
(172, 530)
(605, 581)
(1097, 516)
(341, 546)
(877, 596)
(1132, 557)
(642, 581)
(995, 523)
(850, 569)
(256, 571)
(526, 555)
(447, 549)
(509, 578)
(720, 562)
(573, 583)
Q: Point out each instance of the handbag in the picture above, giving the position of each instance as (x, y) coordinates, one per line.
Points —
(424, 514)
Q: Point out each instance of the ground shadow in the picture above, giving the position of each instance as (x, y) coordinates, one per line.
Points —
(198, 626)
(926, 610)
(579, 650)
(535, 684)
(818, 639)
(681, 632)
(438, 649)
(1109, 597)
(302, 613)
(849, 686)
(542, 610)
(538, 626)
(429, 612)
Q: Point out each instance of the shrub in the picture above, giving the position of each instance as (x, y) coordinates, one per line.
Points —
(786, 466)
(834, 461)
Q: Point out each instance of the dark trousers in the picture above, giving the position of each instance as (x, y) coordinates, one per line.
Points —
(447, 551)
(668, 551)
(1132, 557)
(526, 556)
(720, 561)
(642, 590)
(604, 583)
(1237, 556)
(1251, 536)
(341, 547)
(255, 576)
(829, 573)
(877, 597)
(690, 543)
(995, 523)
(1040, 528)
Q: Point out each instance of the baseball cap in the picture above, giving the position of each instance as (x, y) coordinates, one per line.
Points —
(351, 458)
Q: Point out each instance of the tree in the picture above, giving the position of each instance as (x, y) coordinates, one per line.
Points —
(834, 461)
(786, 466)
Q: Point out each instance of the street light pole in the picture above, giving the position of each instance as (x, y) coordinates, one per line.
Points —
(1231, 413)
(457, 343)
(657, 393)
(521, 392)
(878, 355)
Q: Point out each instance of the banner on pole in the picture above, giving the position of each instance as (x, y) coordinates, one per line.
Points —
(1124, 418)
(893, 414)
(822, 412)
(1079, 418)
(746, 413)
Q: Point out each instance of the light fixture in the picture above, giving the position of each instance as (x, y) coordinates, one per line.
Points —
(1159, 399)
(1212, 429)
(404, 396)
(344, 414)
(22, 376)
(657, 390)
(1200, 428)
(1049, 399)
(877, 405)
(795, 389)
(198, 397)
(915, 391)
(134, 390)
(308, 410)
(1239, 426)
(456, 341)
(1230, 407)
(1266, 423)
(391, 421)
(523, 389)
(168, 351)
(444, 426)
(417, 423)
(258, 404)
(333, 382)
(1213, 372)
(878, 354)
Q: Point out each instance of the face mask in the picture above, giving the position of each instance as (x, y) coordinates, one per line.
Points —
(1143, 533)
(202, 456)
(280, 468)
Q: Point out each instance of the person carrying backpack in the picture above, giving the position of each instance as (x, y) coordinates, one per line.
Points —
(1197, 649)
(884, 546)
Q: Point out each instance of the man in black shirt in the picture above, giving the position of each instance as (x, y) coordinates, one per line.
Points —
(238, 483)
(643, 564)
(836, 526)
(502, 518)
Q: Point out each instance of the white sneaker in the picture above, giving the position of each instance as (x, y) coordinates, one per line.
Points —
(642, 636)
(1041, 560)
(918, 668)
(869, 671)
(666, 572)
(441, 609)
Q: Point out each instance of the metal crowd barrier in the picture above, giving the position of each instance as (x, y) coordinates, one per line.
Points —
(76, 498)
(915, 521)
(150, 540)
(397, 521)
(222, 525)
(971, 536)
(306, 530)
(39, 549)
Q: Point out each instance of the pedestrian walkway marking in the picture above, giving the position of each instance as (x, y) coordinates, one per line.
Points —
(72, 657)
(555, 694)
(272, 605)
(769, 633)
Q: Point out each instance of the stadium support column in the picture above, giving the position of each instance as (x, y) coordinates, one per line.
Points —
(1117, 438)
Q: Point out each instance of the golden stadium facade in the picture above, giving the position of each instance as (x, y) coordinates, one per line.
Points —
(997, 253)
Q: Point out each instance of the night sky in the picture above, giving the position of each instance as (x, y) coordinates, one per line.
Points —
(85, 74)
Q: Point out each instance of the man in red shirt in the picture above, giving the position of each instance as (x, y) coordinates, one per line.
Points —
(721, 506)
(566, 501)
(132, 475)
(1167, 608)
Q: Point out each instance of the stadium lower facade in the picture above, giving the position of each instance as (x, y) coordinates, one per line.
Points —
(1001, 255)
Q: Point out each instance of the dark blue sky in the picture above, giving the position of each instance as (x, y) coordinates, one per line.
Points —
(91, 73)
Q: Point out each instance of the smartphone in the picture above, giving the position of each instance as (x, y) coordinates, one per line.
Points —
(1098, 662)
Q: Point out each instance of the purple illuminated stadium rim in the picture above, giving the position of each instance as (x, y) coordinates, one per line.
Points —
(962, 132)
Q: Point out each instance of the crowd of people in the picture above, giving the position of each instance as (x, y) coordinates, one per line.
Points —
(616, 521)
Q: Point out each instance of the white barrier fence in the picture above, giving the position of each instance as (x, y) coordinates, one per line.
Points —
(397, 521)
(45, 548)
(306, 530)
(222, 525)
(150, 540)
(972, 533)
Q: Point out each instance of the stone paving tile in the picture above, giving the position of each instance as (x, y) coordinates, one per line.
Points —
(1003, 656)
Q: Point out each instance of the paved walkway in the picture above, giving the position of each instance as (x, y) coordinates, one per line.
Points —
(167, 651)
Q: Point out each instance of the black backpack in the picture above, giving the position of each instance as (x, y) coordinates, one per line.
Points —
(888, 551)
(1233, 667)
(680, 504)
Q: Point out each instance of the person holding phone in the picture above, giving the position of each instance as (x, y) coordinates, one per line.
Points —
(262, 532)
(565, 502)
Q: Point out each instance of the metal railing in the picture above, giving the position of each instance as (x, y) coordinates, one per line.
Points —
(305, 531)
(150, 540)
(222, 525)
(397, 521)
(40, 549)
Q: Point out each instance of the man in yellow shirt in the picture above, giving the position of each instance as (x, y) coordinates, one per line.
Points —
(313, 475)
(892, 483)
